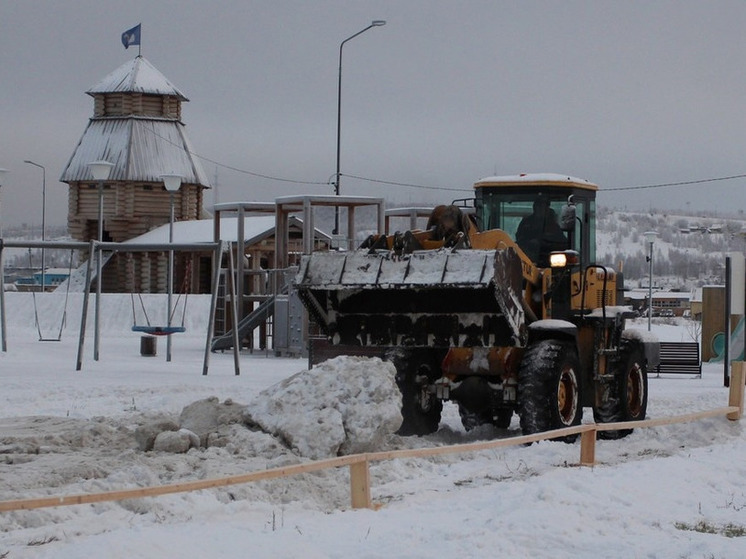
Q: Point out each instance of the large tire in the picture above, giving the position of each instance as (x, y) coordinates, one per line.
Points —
(625, 398)
(420, 410)
(549, 388)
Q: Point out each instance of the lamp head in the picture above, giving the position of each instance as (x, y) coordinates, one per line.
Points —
(378, 22)
(171, 182)
(100, 169)
(650, 236)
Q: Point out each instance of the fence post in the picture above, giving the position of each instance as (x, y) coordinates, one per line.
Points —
(588, 447)
(736, 390)
(360, 485)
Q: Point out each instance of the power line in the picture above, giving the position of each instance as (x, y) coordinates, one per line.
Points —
(422, 186)
(410, 185)
(682, 183)
(231, 168)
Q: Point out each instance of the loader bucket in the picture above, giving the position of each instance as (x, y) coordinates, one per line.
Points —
(431, 298)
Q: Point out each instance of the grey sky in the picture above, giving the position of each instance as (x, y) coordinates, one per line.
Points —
(621, 93)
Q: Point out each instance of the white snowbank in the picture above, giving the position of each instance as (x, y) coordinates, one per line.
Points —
(662, 492)
(345, 405)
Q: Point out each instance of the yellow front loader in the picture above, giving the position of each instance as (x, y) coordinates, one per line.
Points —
(499, 307)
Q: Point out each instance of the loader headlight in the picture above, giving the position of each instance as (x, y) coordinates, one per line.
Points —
(563, 259)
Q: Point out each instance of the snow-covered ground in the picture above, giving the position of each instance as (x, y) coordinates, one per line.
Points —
(675, 491)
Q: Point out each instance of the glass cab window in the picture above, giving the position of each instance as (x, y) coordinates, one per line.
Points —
(531, 218)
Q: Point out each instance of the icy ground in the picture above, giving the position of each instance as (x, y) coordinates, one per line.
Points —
(674, 491)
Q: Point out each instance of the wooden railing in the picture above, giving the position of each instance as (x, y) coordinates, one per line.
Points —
(359, 464)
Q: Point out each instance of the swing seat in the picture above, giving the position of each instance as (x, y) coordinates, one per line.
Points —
(158, 330)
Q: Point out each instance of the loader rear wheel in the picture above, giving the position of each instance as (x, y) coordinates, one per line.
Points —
(549, 390)
(420, 409)
(625, 398)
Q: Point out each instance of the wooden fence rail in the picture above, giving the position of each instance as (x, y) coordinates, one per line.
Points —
(359, 464)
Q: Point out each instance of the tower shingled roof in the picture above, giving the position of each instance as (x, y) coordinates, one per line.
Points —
(142, 147)
(136, 76)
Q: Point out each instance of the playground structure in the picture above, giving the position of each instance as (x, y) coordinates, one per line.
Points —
(717, 344)
(100, 251)
(266, 302)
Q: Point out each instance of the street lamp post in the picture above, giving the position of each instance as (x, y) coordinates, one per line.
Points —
(43, 218)
(2, 173)
(650, 239)
(100, 171)
(374, 23)
(3, 326)
(172, 183)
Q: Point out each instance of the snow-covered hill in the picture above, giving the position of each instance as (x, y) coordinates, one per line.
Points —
(689, 251)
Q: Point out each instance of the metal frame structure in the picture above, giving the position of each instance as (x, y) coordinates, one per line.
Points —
(281, 208)
(294, 204)
(241, 210)
(95, 250)
(413, 213)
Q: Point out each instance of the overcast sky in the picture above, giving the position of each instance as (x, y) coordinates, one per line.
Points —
(621, 93)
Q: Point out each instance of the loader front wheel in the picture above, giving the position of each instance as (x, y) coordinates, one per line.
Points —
(420, 408)
(625, 398)
(549, 390)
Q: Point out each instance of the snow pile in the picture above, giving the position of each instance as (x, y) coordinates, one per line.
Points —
(200, 425)
(205, 417)
(344, 406)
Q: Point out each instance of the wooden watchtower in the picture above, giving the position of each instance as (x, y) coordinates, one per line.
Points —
(136, 125)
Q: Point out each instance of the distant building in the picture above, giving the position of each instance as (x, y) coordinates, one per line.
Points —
(695, 303)
(664, 302)
(53, 278)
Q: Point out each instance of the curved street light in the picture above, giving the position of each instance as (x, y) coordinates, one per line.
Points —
(374, 23)
(650, 239)
(3, 325)
(43, 217)
(172, 183)
(2, 173)
(100, 171)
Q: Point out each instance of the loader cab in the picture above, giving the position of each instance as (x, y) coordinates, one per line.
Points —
(530, 208)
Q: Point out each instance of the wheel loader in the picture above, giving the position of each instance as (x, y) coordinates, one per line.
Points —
(500, 307)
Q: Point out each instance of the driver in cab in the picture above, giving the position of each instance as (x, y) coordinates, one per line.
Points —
(539, 233)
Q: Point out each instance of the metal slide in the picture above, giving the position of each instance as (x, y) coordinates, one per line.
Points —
(247, 325)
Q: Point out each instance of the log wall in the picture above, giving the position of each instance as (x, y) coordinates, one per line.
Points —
(141, 104)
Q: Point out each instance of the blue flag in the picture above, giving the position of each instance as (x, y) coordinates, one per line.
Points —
(131, 36)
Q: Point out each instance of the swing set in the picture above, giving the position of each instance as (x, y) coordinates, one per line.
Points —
(217, 248)
(63, 320)
(156, 330)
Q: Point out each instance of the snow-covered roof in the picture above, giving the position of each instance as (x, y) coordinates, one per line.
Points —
(141, 149)
(538, 178)
(136, 76)
(201, 230)
(671, 295)
(641, 295)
